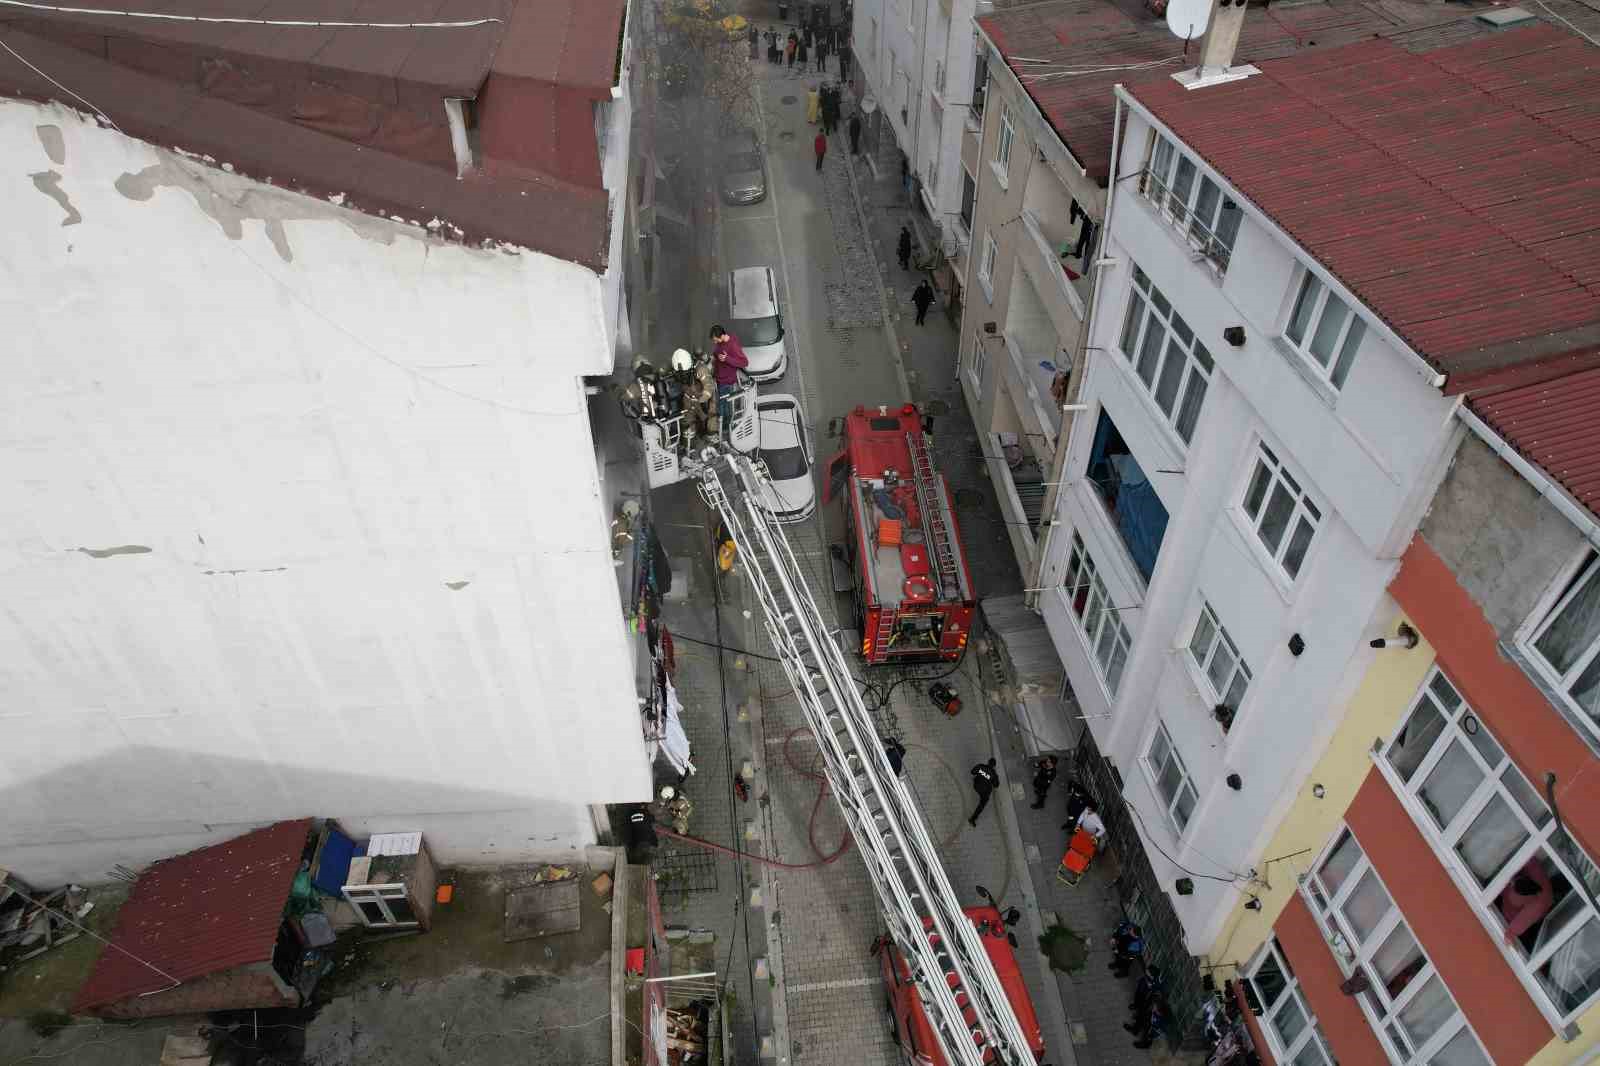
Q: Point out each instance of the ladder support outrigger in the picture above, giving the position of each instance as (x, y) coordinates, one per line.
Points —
(963, 996)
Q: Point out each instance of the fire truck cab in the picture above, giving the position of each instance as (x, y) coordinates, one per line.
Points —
(912, 1030)
(911, 589)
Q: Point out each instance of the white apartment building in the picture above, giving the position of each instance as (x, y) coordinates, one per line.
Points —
(916, 60)
(302, 509)
(1255, 451)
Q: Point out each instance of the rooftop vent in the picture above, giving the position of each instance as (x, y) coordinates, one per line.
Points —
(1506, 16)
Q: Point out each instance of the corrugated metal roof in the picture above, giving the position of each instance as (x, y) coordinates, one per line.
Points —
(1456, 192)
(201, 912)
(1053, 49)
(1552, 423)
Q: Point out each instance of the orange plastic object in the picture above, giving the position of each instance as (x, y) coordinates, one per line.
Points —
(635, 960)
(888, 533)
(445, 894)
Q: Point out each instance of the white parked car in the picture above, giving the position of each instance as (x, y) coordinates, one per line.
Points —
(755, 318)
(786, 449)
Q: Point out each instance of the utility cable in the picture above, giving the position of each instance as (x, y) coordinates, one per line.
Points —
(108, 943)
(1235, 879)
(228, 20)
(81, 99)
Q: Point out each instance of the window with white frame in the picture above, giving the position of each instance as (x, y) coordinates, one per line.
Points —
(1324, 329)
(1217, 657)
(1286, 1017)
(1174, 366)
(1489, 825)
(1170, 778)
(1412, 1012)
(1099, 620)
(1002, 150)
(1283, 516)
(986, 265)
(1192, 201)
(979, 364)
(1564, 643)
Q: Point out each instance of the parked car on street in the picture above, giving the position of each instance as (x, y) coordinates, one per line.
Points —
(755, 318)
(743, 171)
(787, 451)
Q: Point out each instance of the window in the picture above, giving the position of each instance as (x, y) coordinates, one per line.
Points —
(1323, 328)
(1405, 1000)
(1170, 778)
(980, 82)
(1286, 1017)
(1174, 366)
(1565, 644)
(1192, 202)
(1488, 822)
(1217, 658)
(979, 364)
(1002, 151)
(1280, 512)
(969, 196)
(1099, 620)
(986, 265)
(1131, 501)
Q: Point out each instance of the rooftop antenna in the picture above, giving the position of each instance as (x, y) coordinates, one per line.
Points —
(1188, 19)
(1217, 23)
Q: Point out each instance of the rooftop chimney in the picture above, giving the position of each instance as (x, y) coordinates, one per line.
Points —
(1217, 48)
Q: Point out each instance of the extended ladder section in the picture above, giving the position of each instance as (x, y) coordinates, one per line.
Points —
(963, 997)
(935, 509)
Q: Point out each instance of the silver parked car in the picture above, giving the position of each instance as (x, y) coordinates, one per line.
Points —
(743, 172)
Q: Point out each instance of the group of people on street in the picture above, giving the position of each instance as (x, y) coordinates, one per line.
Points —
(1149, 1011)
(803, 45)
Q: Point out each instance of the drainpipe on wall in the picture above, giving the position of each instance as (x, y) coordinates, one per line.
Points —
(1075, 382)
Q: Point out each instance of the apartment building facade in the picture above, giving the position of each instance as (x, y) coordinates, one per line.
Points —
(1283, 368)
(305, 514)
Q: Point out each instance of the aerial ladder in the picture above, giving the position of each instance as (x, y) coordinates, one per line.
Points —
(964, 999)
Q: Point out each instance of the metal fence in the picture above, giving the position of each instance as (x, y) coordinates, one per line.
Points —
(1142, 897)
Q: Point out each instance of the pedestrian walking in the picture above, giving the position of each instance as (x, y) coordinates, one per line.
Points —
(730, 359)
(790, 47)
(855, 134)
(804, 50)
(1152, 1025)
(903, 249)
(641, 833)
(1044, 772)
(844, 63)
(772, 45)
(895, 752)
(923, 299)
(755, 43)
(830, 109)
(821, 146)
(984, 779)
(1149, 988)
(1077, 800)
(813, 105)
(1089, 821)
(1127, 947)
(822, 54)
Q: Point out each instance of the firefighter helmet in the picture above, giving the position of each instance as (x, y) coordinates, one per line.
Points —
(667, 792)
(682, 360)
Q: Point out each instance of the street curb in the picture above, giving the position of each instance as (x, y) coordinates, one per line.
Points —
(877, 281)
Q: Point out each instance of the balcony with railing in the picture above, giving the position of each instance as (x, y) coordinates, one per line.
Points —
(1060, 252)
(1018, 466)
(1193, 204)
(1036, 364)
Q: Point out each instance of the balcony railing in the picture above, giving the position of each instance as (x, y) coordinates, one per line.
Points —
(1053, 266)
(1020, 479)
(1032, 391)
(1205, 243)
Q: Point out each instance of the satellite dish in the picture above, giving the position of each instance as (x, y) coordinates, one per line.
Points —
(1187, 19)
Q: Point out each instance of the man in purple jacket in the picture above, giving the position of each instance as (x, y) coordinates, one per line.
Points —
(730, 359)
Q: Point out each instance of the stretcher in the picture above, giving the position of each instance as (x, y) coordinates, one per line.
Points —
(1079, 854)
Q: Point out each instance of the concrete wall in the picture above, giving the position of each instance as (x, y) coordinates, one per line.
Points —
(301, 517)
(1369, 456)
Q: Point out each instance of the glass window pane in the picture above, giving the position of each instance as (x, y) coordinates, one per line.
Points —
(1205, 204)
(1304, 304)
(1236, 691)
(1453, 780)
(1182, 183)
(1443, 691)
(1460, 1050)
(1096, 610)
(1258, 489)
(1221, 666)
(1298, 543)
(1275, 517)
(1585, 691)
(1228, 224)
(1366, 906)
(1171, 374)
(1181, 329)
(1347, 352)
(1335, 313)
(1525, 796)
(1415, 739)
(1189, 410)
(1119, 659)
(1159, 749)
(1200, 643)
(1161, 163)
(1155, 334)
(1487, 748)
(1576, 627)
(1187, 798)
(1289, 1020)
(1572, 975)
(1398, 960)
(1108, 634)
(1490, 841)
(1171, 780)
(1341, 860)
(1269, 980)
(1130, 325)
(1427, 1012)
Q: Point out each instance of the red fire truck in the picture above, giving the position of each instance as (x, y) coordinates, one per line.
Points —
(911, 588)
(912, 1030)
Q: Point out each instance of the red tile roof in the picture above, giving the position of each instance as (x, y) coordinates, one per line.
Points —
(360, 111)
(1051, 47)
(1455, 192)
(1553, 423)
(199, 913)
